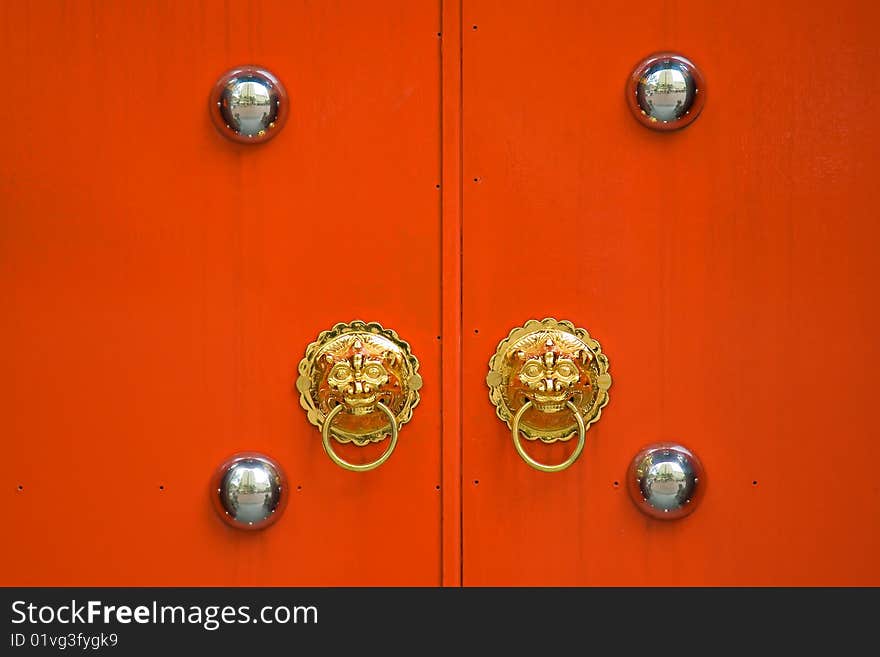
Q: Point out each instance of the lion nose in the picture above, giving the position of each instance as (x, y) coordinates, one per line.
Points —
(358, 387)
(549, 385)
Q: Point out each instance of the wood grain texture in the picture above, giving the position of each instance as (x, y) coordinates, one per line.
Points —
(451, 260)
(729, 272)
(159, 285)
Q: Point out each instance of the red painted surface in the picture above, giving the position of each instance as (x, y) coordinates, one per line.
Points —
(451, 291)
(159, 285)
(728, 270)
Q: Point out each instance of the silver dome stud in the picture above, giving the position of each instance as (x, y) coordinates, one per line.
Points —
(666, 481)
(249, 491)
(249, 105)
(666, 92)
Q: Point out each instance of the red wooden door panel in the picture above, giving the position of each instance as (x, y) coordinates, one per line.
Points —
(727, 270)
(159, 285)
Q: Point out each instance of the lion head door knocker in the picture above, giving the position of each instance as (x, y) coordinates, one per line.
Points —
(359, 384)
(549, 381)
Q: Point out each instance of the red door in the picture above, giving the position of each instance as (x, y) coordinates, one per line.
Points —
(450, 170)
(727, 270)
(160, 284)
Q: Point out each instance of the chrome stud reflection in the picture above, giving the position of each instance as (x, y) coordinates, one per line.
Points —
(249, 491)
(248, 105)
(666, 92)
(666, 481)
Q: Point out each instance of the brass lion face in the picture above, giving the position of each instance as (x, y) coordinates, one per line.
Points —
(357, 378)
(549, 375)
(549, 363)
(359, 365)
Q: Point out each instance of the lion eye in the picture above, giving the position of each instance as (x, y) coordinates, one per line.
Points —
(340, 372)
(374, 371)
(532, 370)
(565, 370)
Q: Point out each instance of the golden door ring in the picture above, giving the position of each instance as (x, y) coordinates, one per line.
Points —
(325, 435)
(537, 465)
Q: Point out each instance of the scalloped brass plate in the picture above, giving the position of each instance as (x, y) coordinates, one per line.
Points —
(361, 367)
(557, 368)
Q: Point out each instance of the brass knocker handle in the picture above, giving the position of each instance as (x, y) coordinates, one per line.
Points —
(514, 427)
(325, 435)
